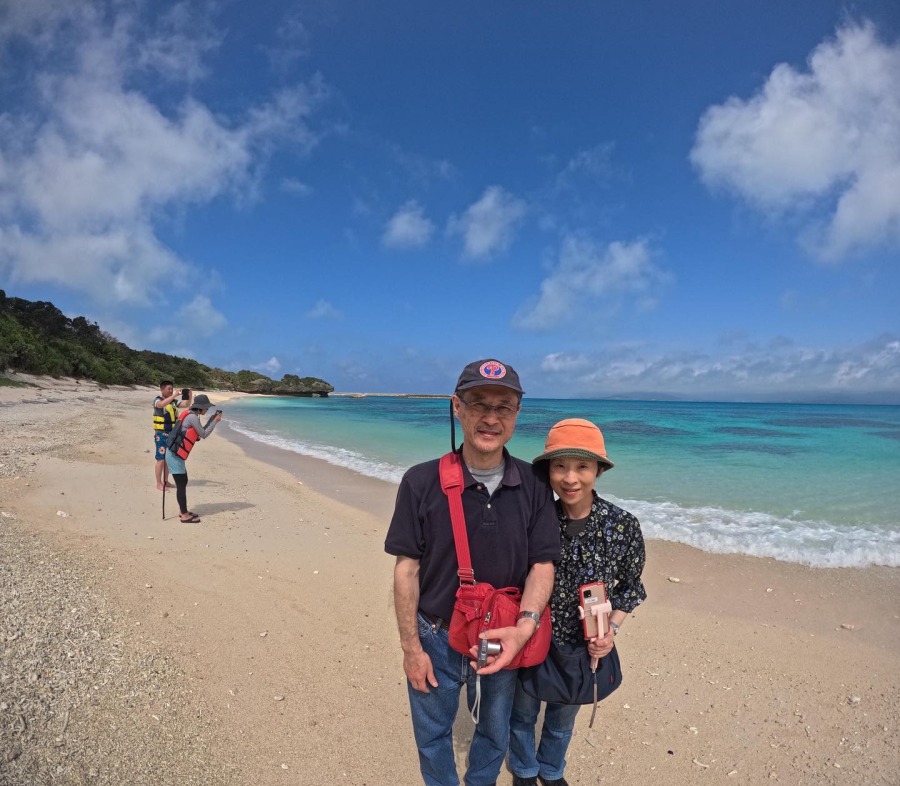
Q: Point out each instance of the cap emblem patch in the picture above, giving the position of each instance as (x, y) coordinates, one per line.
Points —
(492, 370)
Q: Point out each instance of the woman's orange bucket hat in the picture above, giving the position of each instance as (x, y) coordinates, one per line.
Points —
(575, 438)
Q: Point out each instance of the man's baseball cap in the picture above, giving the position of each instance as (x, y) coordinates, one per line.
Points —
(578, 439)
(488, 372)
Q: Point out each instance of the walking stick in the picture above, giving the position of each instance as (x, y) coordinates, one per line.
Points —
(165, 486)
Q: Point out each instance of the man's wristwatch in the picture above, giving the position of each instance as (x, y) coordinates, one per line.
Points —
(615, 628)
(532, 616)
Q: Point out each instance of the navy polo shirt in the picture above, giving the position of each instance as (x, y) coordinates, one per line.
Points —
(509, 531)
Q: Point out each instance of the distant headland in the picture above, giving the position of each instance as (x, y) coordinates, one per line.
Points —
(37, 338)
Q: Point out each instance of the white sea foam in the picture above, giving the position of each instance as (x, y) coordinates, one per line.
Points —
(814, 543)
(711, 529)
(340, 457)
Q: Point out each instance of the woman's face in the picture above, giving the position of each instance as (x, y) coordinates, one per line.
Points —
(573, 481)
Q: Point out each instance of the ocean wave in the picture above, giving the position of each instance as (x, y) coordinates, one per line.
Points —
(340, 457)
(818, 544)
(715, 530)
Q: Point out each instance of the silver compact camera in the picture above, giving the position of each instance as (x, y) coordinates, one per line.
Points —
(487, 647)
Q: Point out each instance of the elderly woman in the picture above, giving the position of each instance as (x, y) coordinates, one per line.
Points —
(599, 542)
(186, 434)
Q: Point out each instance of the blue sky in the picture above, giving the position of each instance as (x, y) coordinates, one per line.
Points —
(615, 198)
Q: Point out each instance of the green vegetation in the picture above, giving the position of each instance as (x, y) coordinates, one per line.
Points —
(37, 338)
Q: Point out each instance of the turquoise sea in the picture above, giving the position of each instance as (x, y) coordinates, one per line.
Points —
(813, 484)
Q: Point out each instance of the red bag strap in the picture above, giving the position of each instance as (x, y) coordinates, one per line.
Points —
(452, 484)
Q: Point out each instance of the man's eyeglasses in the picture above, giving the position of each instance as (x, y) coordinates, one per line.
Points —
(481, 409)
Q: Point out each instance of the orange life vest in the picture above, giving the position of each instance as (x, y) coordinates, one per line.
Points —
(185, 439)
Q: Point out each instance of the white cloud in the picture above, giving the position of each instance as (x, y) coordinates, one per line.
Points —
(99, 262)
(587, 273)
(593, 163)
(293, 43)
(878, 363)
(90, 165)
(196, 319)
(291, 185)
(822, 144)
(269, 367)
(488, 226)
(779, 369)
(199, 316)
(557, 362)
(38, 20)
(323, 310)
(407, 228)
(421, 168)
(177, 55)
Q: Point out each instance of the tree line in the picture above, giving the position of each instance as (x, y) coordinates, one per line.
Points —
(37, 338)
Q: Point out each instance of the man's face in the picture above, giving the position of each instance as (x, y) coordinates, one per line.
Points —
(487, 431)
(166, 390)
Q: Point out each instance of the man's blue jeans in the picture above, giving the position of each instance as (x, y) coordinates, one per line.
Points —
(550, 760)
(433, 715)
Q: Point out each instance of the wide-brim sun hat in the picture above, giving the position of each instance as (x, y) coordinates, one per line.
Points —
(201, 402)
(489, 372)
(575, 438)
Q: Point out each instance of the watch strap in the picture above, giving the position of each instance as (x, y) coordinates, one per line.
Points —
(532, 615)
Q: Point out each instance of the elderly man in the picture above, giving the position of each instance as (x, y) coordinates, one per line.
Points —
(513, 538)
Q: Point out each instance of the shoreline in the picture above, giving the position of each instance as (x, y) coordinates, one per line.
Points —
(338, 483)
(741, 529)
(367, 494)
(275, 615)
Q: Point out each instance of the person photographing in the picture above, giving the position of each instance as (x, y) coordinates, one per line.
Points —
(190, 430)
(165, 418)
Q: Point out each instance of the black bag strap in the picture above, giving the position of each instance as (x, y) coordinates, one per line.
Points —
(452, 484)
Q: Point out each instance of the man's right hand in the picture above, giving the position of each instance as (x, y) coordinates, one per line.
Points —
(419, 671)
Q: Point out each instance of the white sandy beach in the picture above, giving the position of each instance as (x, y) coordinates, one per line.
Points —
(259, 647)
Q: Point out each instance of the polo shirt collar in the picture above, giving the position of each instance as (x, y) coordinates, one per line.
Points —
(511, 474)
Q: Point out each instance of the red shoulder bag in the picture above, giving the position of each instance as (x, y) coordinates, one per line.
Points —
(480, 606)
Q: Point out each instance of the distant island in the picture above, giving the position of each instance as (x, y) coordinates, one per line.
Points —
(37, 338)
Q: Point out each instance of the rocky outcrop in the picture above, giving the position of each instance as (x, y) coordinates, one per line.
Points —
(290, 385)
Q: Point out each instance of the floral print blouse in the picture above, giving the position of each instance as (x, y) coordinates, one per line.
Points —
(609, 549)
